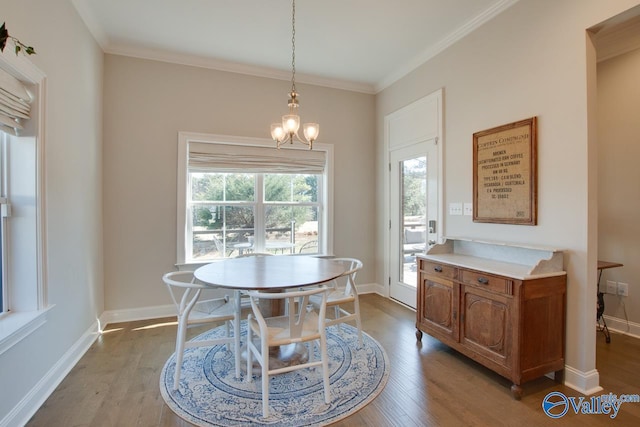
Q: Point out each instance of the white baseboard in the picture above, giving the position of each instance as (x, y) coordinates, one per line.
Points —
(30, 404)
(371, 288)
(623, 326)
(586, 383)
(368, 288)
(133, 314)
(145, 313)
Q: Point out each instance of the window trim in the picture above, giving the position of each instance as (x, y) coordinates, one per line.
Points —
(29, 313)
(184, 138)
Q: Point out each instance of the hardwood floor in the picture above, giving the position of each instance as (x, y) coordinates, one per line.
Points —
(116, 382)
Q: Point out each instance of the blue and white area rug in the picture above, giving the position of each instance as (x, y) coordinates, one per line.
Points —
(209, 395)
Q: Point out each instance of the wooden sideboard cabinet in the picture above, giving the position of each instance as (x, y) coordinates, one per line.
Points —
(499, 304)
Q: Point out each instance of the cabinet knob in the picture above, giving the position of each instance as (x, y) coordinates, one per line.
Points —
(437, 269)
(483, 281)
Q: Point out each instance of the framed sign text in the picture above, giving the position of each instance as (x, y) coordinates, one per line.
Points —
(505, 174)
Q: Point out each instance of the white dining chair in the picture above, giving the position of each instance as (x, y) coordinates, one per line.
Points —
(254, 254)
(302, 325)
(185, 294)
(343, 291)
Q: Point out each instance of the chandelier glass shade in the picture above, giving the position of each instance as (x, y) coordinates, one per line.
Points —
(287, 129)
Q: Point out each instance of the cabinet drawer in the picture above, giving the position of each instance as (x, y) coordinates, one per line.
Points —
(437, 270)
(487, 281)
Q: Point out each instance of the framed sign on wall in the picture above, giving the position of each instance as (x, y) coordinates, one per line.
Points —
(505, 174)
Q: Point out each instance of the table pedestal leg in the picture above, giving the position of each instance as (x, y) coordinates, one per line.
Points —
(279, 357)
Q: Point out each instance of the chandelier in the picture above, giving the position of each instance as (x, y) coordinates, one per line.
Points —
(287, 130)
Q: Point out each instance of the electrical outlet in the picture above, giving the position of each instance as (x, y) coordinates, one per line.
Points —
(623, 289)
(612, 287)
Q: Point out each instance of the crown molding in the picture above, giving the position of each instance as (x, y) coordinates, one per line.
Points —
(235, 67)
(257, 71)
(93, 24)
(429, 53)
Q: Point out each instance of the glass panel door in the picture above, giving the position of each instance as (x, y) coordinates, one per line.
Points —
(413, 215)
(413, 190)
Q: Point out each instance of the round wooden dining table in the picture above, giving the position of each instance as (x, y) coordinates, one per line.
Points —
(272, 274)
(269, 273)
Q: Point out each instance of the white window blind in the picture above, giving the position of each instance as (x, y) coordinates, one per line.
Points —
(205, 157)
(15, 102)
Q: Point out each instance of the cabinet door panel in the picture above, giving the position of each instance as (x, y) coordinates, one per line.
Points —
(439, 307)
(486, 324)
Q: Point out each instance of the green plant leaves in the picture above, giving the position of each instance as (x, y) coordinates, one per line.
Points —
(19, 46)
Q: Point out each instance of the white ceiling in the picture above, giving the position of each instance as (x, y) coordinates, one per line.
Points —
(361, 45)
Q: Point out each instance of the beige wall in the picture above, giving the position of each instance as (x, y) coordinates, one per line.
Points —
(619, 180)
(72, 63)
(148, 102)
(532, 60)
(529, 61)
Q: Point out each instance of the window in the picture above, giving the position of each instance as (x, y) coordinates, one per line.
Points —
(4, 211)
(3, 288)
(237, 196)
(22, 217)
(20, 243)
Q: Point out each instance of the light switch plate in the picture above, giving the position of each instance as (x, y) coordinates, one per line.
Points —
(455, 208)
(468, 209)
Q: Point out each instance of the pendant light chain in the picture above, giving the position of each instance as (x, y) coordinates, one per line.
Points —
(293, 47)
(286, 131)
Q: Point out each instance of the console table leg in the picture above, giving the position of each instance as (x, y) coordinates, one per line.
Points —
(516, 391)
(418, 334)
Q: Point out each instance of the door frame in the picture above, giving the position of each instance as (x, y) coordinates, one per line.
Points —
(421, 121)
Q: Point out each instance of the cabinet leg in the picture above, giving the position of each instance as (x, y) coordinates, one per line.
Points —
(418, 334)
(558, 376)
(516, 391)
